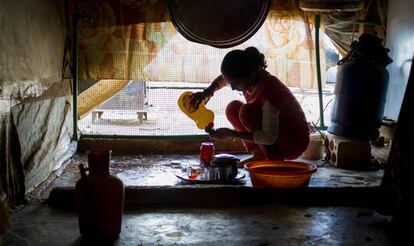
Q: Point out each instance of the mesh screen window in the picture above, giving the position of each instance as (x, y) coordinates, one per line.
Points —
(154, 110)
(149, 108)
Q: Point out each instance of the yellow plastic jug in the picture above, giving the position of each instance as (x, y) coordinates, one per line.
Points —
(202, 116)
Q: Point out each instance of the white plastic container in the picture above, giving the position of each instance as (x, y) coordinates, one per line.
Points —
(314, 151)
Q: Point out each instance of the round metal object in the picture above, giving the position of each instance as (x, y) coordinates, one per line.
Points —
(218, 23)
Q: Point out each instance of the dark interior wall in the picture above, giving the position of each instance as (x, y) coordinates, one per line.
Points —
(32, 48)
(32, 41)
(400, 41)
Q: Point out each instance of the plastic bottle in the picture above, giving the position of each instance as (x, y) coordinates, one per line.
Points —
(99, 198)
(203, 117)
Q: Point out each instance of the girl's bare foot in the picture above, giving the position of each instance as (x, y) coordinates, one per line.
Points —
(257, 155)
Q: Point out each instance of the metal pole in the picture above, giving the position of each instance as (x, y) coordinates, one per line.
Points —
(318, 71)
(75, 20)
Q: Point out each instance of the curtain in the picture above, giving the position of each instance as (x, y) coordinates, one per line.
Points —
(344, 27)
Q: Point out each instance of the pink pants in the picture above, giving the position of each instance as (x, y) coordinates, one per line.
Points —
(248, 118)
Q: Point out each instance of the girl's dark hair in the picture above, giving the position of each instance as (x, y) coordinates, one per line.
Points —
(238, 64)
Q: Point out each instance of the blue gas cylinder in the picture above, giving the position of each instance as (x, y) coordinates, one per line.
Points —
(360, 93)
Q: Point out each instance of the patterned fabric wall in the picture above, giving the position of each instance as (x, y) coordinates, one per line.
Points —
(112, 48)
(134, 40)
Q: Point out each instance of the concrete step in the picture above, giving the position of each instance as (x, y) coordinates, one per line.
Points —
(64, 197)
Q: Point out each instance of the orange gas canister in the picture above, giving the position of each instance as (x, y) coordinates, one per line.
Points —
(203, 117)
(99, 198)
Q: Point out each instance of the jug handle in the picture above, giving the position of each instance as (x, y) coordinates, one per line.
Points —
(85, 179)
(83, 170)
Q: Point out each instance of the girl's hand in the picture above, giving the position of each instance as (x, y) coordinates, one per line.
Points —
(222, 133)
(199, 97)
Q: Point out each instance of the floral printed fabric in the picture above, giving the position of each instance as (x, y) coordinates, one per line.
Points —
(134, 40)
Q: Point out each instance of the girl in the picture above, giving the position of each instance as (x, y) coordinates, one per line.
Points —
(271, 123)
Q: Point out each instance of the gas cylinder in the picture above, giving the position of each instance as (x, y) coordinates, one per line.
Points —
(203, 117)
(360, 92)
(361, 89)
(99, 198)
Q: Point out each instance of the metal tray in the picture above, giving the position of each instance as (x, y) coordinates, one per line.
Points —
(184, 178)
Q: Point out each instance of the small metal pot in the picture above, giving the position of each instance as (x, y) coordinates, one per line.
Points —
(223, 167)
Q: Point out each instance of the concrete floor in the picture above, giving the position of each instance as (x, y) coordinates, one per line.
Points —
(161, 210)
(272, 224)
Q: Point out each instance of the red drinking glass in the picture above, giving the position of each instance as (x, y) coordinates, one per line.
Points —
(206, 153)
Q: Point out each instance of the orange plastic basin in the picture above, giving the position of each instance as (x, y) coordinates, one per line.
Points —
(280, 174)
